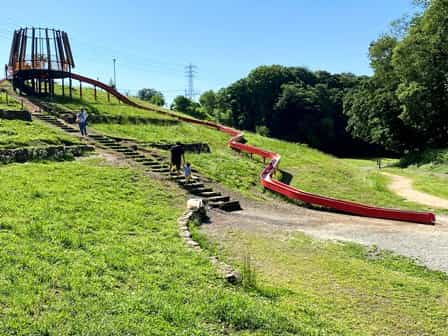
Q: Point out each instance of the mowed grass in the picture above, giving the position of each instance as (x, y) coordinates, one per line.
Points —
(9, 103)
(18, 133)
(428, 178)
(362, 291)
(89, 249)
(101, 105)
(312, 171)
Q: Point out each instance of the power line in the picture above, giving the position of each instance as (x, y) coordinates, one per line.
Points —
(190, 72)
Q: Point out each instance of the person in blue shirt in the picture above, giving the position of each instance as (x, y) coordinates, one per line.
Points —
(187, 172)
(81, 118)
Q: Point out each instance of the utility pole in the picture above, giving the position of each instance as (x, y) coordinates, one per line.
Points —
(115, 73)
(190, 72)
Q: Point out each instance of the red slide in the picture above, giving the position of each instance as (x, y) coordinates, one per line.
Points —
(266, 175)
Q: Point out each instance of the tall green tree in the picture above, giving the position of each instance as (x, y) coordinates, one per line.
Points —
(147, 94)
(208, 101)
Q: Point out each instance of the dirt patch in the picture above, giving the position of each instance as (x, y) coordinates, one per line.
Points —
(403, 186)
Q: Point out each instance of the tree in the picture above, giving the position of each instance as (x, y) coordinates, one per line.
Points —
(157, 100)
(208, 101)
(187, 106)
(181, 104)
(146, 94)
(291, 103)
(403, 106)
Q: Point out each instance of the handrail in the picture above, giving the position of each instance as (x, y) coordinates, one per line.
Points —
(266, 175)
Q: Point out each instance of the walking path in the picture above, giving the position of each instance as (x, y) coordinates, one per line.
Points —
(403, 186)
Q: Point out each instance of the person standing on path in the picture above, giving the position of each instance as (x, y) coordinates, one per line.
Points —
(81, 118)
(177, 156)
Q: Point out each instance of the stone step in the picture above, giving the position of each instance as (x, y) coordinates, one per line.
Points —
(189, 185)
(151, 163)
(216, 199)
(226, 206)
(198, 191)
(160, 170)
(207, 194)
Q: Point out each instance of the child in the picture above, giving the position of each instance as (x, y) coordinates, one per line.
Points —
(187, 172)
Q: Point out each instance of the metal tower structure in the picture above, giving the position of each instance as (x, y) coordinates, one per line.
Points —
(39, 56)
(190, 72)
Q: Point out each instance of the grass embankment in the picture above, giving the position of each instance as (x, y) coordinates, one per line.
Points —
(9, 103)
(18, 133)
(312, 170)
(429, 171)
(100, 106)
(362, 291)
(92, 249)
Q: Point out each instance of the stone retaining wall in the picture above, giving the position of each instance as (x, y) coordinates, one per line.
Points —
(42, 153)
(192, 217)
(15, 115)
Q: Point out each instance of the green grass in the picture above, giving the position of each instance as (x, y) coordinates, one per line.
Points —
(427, 176)
(100, 106)
(17, 133)
(89, 249)
(9, 104)
(360, 290)
(312, 170)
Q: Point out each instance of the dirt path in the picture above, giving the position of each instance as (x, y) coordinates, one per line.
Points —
(427, 244)
(403, 186)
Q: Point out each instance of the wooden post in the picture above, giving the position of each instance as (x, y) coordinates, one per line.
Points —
(70, 88)
(94, 92)
(108, 97)
(63, 88)
(80, 90)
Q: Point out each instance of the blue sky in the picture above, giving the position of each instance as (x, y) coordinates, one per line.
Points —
(154, 40)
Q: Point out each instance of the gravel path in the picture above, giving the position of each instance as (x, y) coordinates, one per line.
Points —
(426, 244)
(403, 186)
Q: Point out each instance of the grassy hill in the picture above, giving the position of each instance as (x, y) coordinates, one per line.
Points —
(17, 133)
(91, 248)
(311, 170)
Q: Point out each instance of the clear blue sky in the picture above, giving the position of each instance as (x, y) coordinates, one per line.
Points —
(154, 40)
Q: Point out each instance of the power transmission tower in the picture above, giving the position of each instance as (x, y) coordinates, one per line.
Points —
(190, 72)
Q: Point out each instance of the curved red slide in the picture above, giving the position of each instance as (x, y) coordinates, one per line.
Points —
(266, 175)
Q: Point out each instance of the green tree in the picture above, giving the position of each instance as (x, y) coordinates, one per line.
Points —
(158, 100)
(181, 104)
(208, 101)
(146, 94)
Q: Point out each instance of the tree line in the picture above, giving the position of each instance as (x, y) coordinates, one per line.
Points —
(402, 107)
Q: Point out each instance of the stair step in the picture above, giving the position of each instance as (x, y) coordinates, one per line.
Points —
(226, 206)
(151, 163)
(191, 184)
(210, 193)
(160, 170)
(216, 199)
(200, 190)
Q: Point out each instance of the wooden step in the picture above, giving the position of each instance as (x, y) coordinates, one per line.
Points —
(207, 194)
(226, 206)
(216, 199)
(197, 191)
